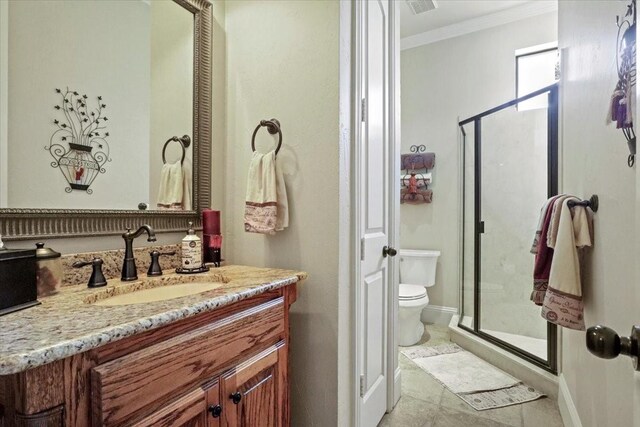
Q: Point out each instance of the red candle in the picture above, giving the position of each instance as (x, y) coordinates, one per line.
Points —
(210, 222)
(216, 241)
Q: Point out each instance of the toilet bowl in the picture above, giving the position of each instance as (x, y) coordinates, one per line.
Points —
(417, 273)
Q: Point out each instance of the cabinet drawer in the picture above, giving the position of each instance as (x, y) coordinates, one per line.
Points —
(124, 387)
(189, 410)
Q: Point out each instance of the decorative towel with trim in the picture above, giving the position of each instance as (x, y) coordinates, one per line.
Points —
(543, 214)
(563, 303)
(266, 206)
(544, 256)
(552, 235)
(171, 191)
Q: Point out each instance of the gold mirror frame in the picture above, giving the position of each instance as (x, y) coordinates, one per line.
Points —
(23, 224)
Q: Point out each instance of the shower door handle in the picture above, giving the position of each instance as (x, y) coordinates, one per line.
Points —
(481, 227)
(604, 342)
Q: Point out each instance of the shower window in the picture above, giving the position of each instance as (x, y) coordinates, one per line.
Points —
(509, 170)
(536, 67)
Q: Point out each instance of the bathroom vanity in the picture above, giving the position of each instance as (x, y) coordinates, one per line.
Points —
(215, 358)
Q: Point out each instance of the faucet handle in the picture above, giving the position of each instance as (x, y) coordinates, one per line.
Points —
(97, 278)
(154, 268)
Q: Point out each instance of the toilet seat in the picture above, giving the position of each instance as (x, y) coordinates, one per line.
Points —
(411, 292)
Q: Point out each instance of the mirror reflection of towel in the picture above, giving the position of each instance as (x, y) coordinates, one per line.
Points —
(171, 187)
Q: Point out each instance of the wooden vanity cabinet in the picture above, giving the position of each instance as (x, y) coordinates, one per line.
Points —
(249, 395)
(224, 368)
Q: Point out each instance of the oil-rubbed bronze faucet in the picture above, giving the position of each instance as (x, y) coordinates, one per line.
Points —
(129, 271)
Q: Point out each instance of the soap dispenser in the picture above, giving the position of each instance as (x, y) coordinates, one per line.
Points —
(191, 250)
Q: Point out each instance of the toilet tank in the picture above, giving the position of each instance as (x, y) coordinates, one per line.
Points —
(418, 267)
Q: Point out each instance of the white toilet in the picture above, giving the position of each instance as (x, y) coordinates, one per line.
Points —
(417, 273)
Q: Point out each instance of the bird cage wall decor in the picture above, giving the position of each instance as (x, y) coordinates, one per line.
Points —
(79, 144)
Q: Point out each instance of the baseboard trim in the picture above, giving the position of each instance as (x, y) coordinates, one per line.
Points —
(438, 314)
(568, 409)
(397, 387)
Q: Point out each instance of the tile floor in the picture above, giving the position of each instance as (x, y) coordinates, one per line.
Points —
(426, 403)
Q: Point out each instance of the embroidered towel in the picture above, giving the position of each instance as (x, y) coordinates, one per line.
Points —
(543, 214)
(563, 303)
(555, 221)
(282, 218)
(544, 257)
(266, 205)
(171, 189)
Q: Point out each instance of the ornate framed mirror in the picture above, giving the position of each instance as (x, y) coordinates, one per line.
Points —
(102, 111)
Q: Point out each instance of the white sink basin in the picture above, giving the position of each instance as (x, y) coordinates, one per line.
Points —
(160, 293)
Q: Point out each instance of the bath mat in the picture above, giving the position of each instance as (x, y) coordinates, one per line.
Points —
(478, 383)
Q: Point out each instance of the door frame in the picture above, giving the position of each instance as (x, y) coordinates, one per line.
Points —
(392, 369)
(4, 99)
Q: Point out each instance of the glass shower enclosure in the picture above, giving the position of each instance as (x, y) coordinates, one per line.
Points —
(509, 168)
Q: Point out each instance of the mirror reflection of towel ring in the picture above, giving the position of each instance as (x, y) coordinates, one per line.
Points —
(273, 126)
(184, 141)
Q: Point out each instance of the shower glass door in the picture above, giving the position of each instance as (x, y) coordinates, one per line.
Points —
(509, 170)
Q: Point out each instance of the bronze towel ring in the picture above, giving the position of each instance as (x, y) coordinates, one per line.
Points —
(273, 126)
(185, 142)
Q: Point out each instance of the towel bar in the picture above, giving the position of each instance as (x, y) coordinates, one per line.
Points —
(592, 203)
(273, 126)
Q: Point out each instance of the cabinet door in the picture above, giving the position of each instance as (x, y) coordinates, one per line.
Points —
(188, 411)
(214, 408)
(251, 393)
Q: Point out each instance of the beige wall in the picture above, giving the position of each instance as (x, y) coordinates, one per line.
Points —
(594, 162)
(283, 62)
(443, 82)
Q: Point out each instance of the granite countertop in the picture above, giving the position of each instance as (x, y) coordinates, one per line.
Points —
(67, 323)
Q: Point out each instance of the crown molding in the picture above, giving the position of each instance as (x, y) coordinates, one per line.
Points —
(514, 14)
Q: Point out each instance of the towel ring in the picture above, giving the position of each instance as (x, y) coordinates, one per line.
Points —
(273, 126)
(185, 142)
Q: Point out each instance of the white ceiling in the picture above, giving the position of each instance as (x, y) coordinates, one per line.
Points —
(450, 12)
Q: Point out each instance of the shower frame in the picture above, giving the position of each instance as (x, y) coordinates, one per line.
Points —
(551, 364)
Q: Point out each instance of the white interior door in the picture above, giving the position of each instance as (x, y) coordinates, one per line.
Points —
(373, 291)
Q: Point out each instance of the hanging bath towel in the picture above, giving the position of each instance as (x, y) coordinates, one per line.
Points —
(266, 207)
(170, 194)
(563, 300)
(544, 255)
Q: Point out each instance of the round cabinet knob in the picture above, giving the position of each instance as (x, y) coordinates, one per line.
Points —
(215, 410)
(388, 250)
(236, 397)
(604, 342)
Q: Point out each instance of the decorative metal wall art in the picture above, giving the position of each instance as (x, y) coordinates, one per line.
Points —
(79, 144)
(414, 181)
(622, 105)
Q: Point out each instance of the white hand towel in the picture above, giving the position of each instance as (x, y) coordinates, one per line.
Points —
(170, 194)
(266, 205)
(282, 220)
(563, 303)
